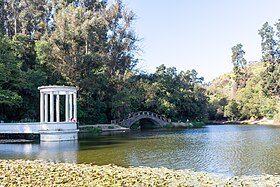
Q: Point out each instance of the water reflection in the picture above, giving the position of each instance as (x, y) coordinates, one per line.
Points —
(65, 151)
(227, 149)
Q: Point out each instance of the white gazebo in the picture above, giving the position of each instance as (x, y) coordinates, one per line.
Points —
(50, 103)
(52, 128)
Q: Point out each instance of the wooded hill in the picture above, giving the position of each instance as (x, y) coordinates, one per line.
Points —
(228, 102)
(251, 90)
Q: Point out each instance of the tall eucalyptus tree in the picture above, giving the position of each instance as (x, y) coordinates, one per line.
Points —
(271, 58)
(239, 65)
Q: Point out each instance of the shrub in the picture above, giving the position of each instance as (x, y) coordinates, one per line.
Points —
(276, 118)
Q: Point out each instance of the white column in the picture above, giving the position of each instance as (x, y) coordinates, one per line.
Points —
(42, 107)
(51, 107)
(57, 109)
(71, 105)
(67, 107)
(46, 108)
(75, 106)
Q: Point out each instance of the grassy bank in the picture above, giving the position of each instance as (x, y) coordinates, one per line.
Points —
(97, 129)
(185, 125)
(40, 173)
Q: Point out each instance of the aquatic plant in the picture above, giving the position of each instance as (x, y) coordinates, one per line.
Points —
(42, 173)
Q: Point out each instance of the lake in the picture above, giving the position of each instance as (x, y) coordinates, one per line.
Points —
(222, 149)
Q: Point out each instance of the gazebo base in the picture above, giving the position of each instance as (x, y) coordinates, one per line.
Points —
(51, 136)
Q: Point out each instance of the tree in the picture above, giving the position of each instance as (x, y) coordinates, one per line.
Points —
(175, 95)
(232, 110)
(121, 39)
(271, 59)
(253, 103)
(91, 44)
(239, 65)
(29, 17)
(10, 80)
(2, 17)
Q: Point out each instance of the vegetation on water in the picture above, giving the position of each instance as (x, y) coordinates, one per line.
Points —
(92, 45)
(40, 173)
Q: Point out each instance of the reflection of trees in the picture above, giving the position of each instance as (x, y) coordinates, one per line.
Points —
(64, 151)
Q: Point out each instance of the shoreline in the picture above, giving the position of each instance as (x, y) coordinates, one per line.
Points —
(245, 122)
(102, 128)
(42, 173)
(15, 141)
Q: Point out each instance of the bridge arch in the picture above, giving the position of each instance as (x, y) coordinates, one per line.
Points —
(156, 119)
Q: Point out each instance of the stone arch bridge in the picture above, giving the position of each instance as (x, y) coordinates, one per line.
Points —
(145, 117)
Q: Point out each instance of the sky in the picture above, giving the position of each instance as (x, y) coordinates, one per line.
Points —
(199, 34)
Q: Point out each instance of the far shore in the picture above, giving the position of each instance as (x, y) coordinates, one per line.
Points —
(97, 128)
(263, 121)
(115, 127)
(103, 128)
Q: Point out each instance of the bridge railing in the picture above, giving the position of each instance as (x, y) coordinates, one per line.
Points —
(139, 113)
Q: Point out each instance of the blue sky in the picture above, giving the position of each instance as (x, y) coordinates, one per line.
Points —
(199, 34)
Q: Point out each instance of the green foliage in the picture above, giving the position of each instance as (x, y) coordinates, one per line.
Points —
(246, 102)
(10, 80)
(198, 124)
(93, 130)
(271, 59)
(165, 92)
(122, 103)
(232, 110)
(276, 117)
(219, 92)
(239, 65)
(253, 103)
(169, 126)
(9, 98)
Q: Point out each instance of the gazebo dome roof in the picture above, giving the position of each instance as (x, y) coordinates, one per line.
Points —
(60, 90)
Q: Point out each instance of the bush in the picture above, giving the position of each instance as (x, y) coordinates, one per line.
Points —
(169, 125)
(198, 124)
(276, 118)
(94, 130)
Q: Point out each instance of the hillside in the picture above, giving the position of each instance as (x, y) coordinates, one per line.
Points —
(228, 101)
(225, 83)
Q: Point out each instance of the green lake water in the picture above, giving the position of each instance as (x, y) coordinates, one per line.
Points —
(222, 149)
